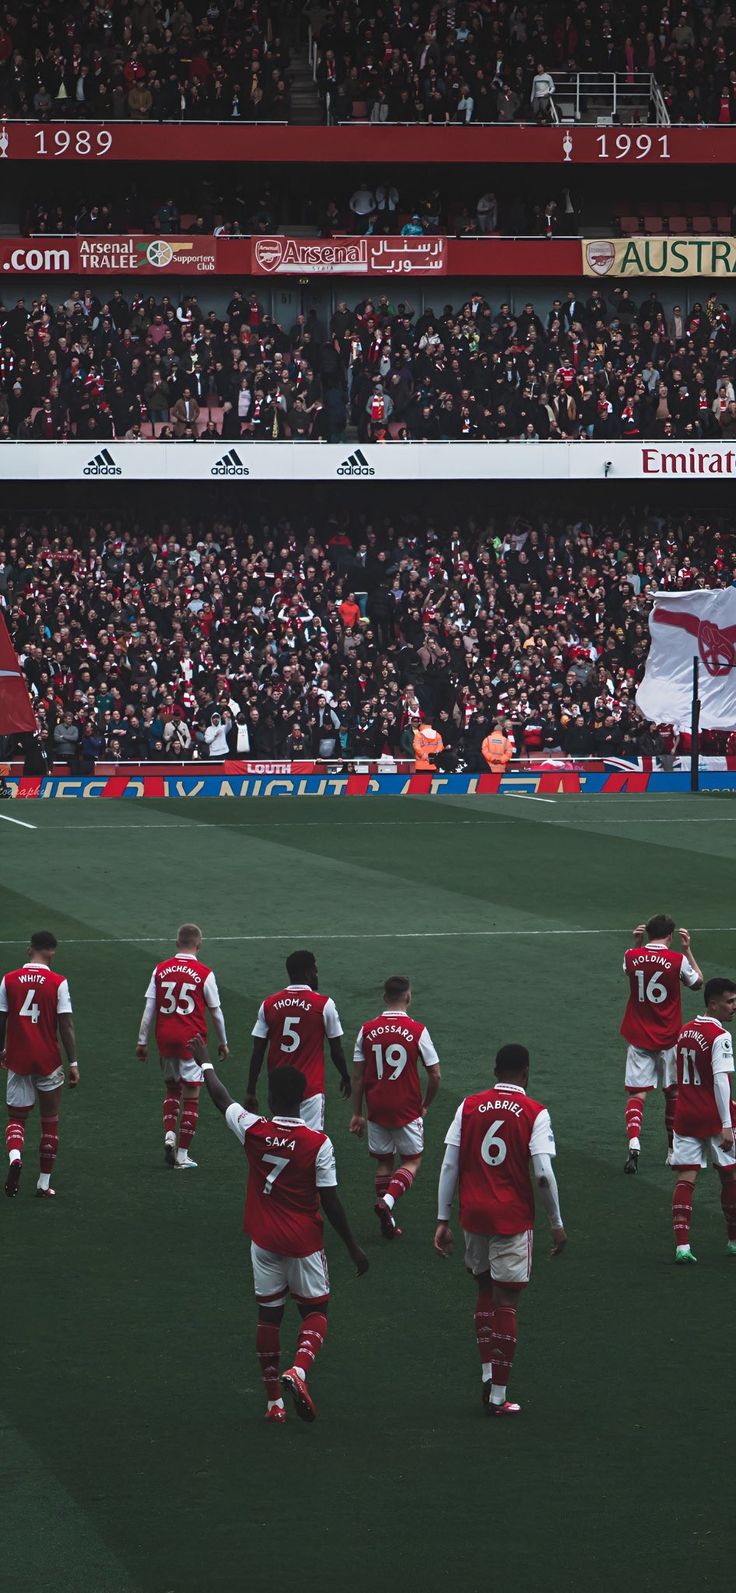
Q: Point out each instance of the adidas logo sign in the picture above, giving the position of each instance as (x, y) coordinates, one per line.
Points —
(356, 465)
(103, 464)
(231, 464)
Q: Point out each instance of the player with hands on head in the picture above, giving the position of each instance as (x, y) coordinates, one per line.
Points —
(386, 1060)
(652, 1021)
(497, 1140)
(292, 1181)
(35, 1008)
(181, 992)
(705, 1114)
(292, 1026)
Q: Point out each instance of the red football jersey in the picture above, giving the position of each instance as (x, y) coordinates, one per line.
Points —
(653, 1016)
(496, 1129)
(33, 997)
(391, 1047)
(178, 987)
(703, 1047)
(296, 1021)
(282, 1209)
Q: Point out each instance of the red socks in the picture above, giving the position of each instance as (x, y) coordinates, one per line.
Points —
(400, 1183)
(15, 1130)
(312, 1336)
(503, 1342)
(49, 1143)
(171, 1108)
(728, 1204)
(634, 1115)
(682, 1210)
(382, 1182)
(268, 1350)
(188, 1125)
(670, 1102)
(484, 1325)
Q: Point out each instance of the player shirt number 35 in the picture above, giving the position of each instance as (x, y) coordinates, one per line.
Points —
(183, 988)
(653, 1016)
(703, 1048)
(33, 998)
(391, 1047)
(288, 1165)
(295, 1022)
(498, 1131)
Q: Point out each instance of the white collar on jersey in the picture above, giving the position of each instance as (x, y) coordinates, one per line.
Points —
(181, 954)
(394, 1012)
(299, 987)
(289, 1122)
(518, 1087)
(657, 945)
(46, 965)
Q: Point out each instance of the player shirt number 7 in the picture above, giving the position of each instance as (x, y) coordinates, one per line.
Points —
(288, 1164)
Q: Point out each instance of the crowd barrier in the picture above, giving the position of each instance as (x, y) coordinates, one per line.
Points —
(532, 783)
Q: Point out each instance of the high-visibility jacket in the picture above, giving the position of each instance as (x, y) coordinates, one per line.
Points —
(497, 751)
(427, 745)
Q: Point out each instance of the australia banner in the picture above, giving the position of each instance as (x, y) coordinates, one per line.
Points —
(662, 257)
(684, 626)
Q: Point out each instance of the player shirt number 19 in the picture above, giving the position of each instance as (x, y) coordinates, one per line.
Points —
(653, 1016)
(390, 1047)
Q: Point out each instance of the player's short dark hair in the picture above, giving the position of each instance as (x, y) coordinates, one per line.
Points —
(286, 1088)
(188, 935)
(660, 927)
(511, 1060)
(299, 965)
(719, 986)
(43, 940)
(396, 986)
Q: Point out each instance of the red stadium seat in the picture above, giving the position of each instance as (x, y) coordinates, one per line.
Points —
(629, 224)
(703, 224)
(653, 224)
(678, 223)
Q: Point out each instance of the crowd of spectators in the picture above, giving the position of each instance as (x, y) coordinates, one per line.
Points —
(590, 366)
(275, 639)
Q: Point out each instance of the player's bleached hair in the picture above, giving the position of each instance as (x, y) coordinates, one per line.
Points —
(43, 940)
(660, 927)
(396, 987)
(286, 1088)
(511, 1059)
(299, 965)
(719, 986)
(189, 935)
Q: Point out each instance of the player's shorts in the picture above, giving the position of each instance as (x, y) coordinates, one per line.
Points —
(312, 1111)
(181, 1071)
(509, 1257)
(22, 1087)
(407, 1140)
(275, 1277)
(646, 1069)
(689, 1152)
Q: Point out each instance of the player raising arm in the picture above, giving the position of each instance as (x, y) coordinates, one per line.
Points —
(181, 991)
(293, 1025)
(652, 1021)
(704, 1115)
(34, 1003)
(291, 1174)
(497, 1138)
(386, 1070)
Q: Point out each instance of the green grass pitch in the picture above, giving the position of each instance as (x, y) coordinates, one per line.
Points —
(134, 1454)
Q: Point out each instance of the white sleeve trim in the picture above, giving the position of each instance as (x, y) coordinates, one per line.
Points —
(542, 1142)
(63, 998)
(147, 1019)
(358, 1052)
(151, 991)
(722, 1054)
(260, 1027)
(3, 996)
(325, 1170)
(688, 974)
(722, 1092)
(548, 1192)
(333, 1026)
(452, 1137)
(239, 1120)
(211, 992)
(427, 1051)
(449, 1174)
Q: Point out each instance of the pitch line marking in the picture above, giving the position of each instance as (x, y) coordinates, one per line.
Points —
(21, 822)
(525, 796)
(402, 934)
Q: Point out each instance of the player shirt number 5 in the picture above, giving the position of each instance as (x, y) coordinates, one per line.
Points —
(33, 997)
(295, 1022)
(390, 1047)
(653, 1016)
(182, 988)
(288, 1164)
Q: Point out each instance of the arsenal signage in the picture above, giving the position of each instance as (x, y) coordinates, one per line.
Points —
(349, 256)
(662, 257)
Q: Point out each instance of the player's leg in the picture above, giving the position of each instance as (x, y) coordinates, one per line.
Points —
(687, 1159)
(477, 1261)
(312, 1112)
(269, 1277)
(49, 1102)
(382, 1150)
(670, 1097)
(190, 1088)
(20, 1096)
(641, 1078)
(170, 1109)
(511, 1268)
(309, 1283)
(409, 1145)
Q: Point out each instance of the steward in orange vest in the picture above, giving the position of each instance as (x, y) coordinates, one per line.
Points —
(428, 745)
(497, 750)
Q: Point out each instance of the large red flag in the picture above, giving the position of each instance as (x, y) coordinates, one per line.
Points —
(16, 708)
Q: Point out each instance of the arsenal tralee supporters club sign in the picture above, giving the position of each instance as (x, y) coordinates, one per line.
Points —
(109, 256)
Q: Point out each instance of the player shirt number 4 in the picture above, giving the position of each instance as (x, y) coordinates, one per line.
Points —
(653, 1016)
(183, 988)
(390, 1047)
(498, 1131)
(33, 998)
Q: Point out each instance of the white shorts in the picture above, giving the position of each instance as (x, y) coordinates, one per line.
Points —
(182, 1071)
(509, 1256)
(22, 1087)
(646, 1069)
(312, 1111)
(688, 1152)
(275, 1276)
(408, 1140)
